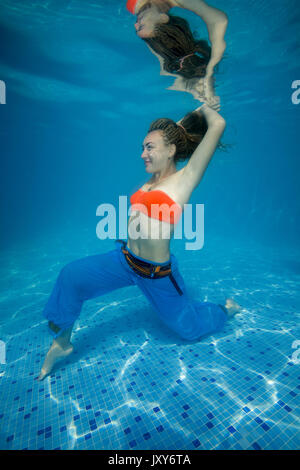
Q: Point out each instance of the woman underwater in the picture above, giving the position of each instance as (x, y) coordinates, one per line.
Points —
(171, 40)
(145, 260)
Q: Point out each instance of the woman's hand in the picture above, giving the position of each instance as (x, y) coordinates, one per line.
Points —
(216, 106)
(209, 93)
(203, 90)
(211, 114)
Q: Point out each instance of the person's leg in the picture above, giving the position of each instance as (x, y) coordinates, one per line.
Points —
(189, 318)
(78, 281)
(61, 348)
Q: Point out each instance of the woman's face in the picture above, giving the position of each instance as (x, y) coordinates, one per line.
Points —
(157, 155)
(147, 20)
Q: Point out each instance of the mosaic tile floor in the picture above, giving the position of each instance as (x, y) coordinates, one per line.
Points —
(133, 384)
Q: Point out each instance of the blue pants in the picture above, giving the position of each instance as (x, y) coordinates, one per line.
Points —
(96, 275)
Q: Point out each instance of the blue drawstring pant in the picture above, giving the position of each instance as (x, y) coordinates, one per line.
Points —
(96, 275)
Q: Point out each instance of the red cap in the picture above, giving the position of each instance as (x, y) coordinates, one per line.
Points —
(131, 6)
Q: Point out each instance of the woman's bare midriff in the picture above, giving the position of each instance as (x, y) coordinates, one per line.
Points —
(153, 241)
(154, 251)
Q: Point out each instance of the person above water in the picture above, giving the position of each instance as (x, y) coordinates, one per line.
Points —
(144, 259)
(171, 40)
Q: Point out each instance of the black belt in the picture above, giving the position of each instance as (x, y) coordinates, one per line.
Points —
(149, 270)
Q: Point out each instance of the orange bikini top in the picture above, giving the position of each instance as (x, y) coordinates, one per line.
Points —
(131, 5)
(150, 204)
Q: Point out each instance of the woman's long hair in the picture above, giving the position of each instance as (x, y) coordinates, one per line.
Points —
(174, 41)
(186, 136)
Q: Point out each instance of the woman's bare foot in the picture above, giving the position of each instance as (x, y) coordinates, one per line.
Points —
(232, 307)
(55, 354)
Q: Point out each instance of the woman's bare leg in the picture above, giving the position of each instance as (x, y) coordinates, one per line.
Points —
(60, 348)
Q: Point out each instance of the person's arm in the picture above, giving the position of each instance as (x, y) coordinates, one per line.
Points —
(216, 22)
(197, 164)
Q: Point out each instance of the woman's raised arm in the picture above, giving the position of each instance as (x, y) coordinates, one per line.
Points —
(216, 22)
(197, 164)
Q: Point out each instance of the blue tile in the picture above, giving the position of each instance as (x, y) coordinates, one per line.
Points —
(196, 443)
(256, 446)
(132, 443)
